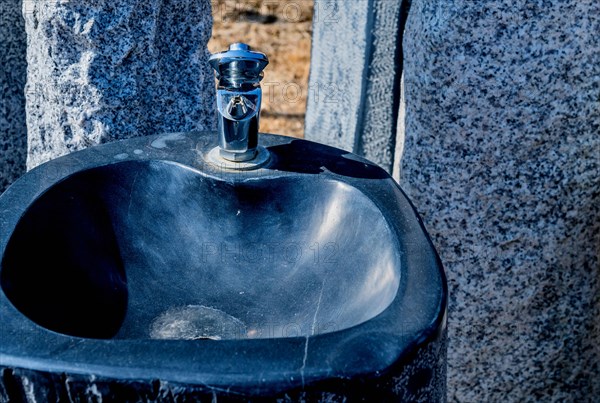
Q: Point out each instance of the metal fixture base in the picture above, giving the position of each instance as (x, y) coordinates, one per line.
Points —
(261, 159)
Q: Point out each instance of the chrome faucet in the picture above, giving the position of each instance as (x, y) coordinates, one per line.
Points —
(239, 71)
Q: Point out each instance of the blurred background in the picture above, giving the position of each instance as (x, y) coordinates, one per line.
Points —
(282, 30)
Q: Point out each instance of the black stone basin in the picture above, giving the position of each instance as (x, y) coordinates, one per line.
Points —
(122, 248)
(139, 262)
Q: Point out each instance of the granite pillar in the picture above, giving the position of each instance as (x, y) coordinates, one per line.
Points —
(502, 159)
(106, 70)
(13, 70)
(354, 88)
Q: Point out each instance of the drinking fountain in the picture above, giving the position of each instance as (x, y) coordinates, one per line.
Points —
(228, 266)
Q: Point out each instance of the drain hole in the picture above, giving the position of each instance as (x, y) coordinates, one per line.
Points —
(196, 322)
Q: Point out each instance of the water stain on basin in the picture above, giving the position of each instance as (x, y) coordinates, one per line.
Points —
(195, 322)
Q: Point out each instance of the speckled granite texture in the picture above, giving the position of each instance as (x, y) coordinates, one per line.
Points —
(106, 70)
(13, 70)
(337, 67)
(501, 157)
(354, 88)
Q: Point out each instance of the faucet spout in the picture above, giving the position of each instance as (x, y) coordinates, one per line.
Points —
(239, 96)
(238, 107)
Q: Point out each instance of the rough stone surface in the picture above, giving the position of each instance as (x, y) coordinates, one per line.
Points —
(354, 87)
(106, 70)
(415, 383)
(13, 70)
(501, 157)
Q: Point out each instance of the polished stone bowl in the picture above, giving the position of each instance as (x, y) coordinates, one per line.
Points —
(140, 261)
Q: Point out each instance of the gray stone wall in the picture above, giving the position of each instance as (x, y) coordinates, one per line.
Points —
(105, 70)
(13, 66)
(502, 159)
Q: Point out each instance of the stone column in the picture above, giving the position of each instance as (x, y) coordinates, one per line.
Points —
(13, 66)
(105, 70)
(354, 88)
(502, 159)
